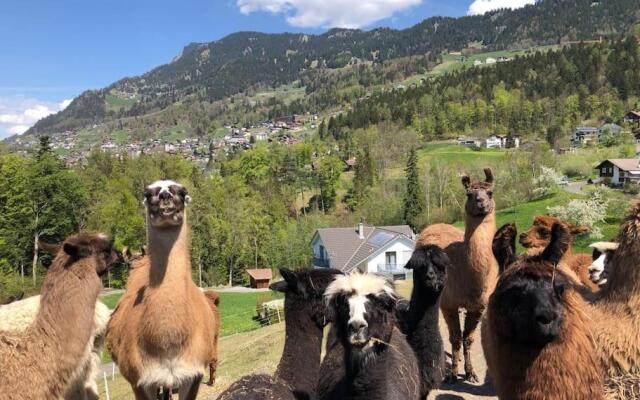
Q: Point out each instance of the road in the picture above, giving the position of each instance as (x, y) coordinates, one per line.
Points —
(575, 187)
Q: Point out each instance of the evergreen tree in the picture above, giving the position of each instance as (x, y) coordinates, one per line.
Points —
(414, 202)
(322, 130)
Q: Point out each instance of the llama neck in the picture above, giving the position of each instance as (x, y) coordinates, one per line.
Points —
(367, 375)
(64, 323)
(169, 255)
(623, 283)
(299, 365)
(423, 308)
(478, 237)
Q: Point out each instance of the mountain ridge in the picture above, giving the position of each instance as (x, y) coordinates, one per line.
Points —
(215, 70)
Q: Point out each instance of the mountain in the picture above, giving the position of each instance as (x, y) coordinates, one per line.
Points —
(209, 72)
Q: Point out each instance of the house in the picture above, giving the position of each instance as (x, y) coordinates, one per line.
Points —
(583, 135)
(383, 249)
(619, 171)
(611, 129)
(259, 278)
(633, 117)
(472, 142)
(477, 63)
(261, 136)
(496, 142)
(490, 61)
(512, 142)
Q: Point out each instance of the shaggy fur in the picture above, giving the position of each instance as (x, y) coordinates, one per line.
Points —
(39, 362)
(18, 316)
(600, 266)
(214, 302)
(616, 313)
(538, 236)
(160, 334)
(504, 246)
(536, 335)
(429, 265)
(473, 272)
(305, 318)
(370, 358)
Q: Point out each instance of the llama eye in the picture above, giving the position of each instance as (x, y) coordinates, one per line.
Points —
(490, 194)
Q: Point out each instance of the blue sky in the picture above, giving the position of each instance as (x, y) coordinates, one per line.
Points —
(53, 50)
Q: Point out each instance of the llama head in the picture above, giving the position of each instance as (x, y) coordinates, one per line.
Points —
(539, 235)
(504, 245)
(165, 202)
(95, 247)
(599, 269)
(304, 290)
(527, 306)
(131, 256)
(429, 264)
(363, 310)
(479, 195)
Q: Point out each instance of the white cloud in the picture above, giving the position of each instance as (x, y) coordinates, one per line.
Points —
(328, 13)
(483, 6)
(18, 113)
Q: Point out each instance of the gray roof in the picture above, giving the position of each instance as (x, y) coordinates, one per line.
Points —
(346, 250)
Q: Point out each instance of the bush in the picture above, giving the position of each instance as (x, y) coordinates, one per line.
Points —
(585, 213)
(546, 182)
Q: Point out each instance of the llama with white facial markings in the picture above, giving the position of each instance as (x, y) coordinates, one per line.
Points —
(371, 359)
(161, 334)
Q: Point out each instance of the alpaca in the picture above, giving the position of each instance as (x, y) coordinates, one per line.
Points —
(39, 362)
(538, 236)
(601, 255)
(161, 335)
(305, 317)
(615, 314)
(504, 246)
(473, 271)
(214, 302)
(18, 316)
(429, 265)
(373, 359)
(536, 331)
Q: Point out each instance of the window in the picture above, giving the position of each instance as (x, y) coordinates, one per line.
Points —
(322, 252)
(390, 258)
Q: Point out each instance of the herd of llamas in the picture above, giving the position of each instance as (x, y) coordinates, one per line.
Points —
(554, 324)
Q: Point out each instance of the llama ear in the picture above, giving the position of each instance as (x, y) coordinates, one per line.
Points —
(77, 250)
(488, 174)
(290, 282)
(560, 239)
(387, 301)
(184, 195)
(48, 247)
(143, 250)
(466, 181)
(280, 286)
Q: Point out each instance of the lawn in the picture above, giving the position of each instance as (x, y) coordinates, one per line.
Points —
(454, 153)
(116, 103)
(236, 309)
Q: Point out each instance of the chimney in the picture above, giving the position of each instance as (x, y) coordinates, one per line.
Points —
(361, 230)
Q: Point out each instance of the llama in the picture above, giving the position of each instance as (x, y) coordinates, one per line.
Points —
(616, 311)
(18, 316)
(373, 359)
(504, 246)
(429, 265)
(536, 331)
(473, 271)
(214, 302)
(40, 362)
(305, 317)
(161, 335)
(537, 238)
(601, 255)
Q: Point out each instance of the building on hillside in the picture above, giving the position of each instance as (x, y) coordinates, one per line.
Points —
(259, 278)
(618, 171)
(512, 142)
(383, 249)
(611, 129)
(471, 142)
(490, 60)
(260, 136)
(584, 135)
(633, 117)
(495, 142)
(477, 63)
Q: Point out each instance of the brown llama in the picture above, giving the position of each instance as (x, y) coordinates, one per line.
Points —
(214, 302)
(39, 362)
(536, 335)
(161, 335)
(538, 237)
(615, 314)
(473, 271)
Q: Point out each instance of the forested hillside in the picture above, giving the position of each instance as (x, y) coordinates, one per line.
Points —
(206, 72)
(526, 96)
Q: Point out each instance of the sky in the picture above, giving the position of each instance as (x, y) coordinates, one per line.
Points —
(51, 51)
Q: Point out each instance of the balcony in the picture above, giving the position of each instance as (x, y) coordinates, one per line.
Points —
(396, 271)
(321, 262)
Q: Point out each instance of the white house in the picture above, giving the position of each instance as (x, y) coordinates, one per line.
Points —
(260, 136)
(490, 61)
(619, 171)
(495, 142)
(384, 249)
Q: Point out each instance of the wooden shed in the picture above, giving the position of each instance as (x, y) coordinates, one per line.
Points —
(259, 278)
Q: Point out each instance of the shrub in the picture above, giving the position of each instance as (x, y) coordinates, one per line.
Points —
(585, 213)
(546, 182)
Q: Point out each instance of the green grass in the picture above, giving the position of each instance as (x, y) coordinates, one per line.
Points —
(121, 137)
(117, 103)
(453, 153)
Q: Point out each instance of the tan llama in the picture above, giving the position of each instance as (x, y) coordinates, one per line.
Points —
(161, 334)
(473, 271)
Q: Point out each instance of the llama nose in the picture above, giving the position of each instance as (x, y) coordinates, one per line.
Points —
(545, 317)
(165, 196)
(358, 327)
